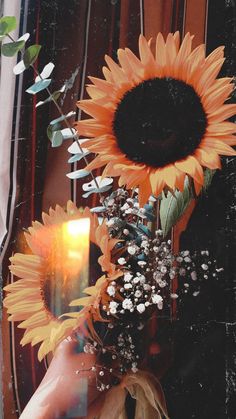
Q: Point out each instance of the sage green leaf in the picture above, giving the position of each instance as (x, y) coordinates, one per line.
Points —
(68, 133)
(78, 174)
(62, 117)
(77, 146)
(47, 70)
(173, 206)
(208, 176)
(51, 129)
(24, 37)
(59, 136)
(78, 157)
(97, 190)
(57, 139)
(19, 68)
(54, 96)
(39, 86)
(31, 55)
(11, 48)
(7, 25)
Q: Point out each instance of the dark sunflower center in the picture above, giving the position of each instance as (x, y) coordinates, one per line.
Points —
(160, 121)
(60, 287)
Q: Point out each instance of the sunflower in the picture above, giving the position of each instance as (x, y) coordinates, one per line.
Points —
(161, 117)
(97, 297)
(41, 298)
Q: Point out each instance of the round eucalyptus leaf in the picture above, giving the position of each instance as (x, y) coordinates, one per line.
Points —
(46, 72)
(7, 24)
(19, 68)
(24, 37)
(77, 157)
(78, 174)
(11, 48)
(38, 87)
(57, 139)
(31, 55)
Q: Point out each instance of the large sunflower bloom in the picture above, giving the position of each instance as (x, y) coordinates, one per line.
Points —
(161, 117)
(41, 298)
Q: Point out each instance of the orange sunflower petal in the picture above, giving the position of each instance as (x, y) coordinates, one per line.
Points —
(219, 147)
(145, 191)
(208, 158)
(26, 299)
(172, 61)
(191, 166)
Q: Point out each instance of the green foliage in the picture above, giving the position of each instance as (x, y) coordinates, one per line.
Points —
(19, 68)
(173, 206)
(57, 139)
(97, 190)
(54, 96)
(11, 48)
(78, 174)
(77, 157)
(62, 118)
(51, 129)
(208, 176)
(39, 86)
(31, 55)
(45, 74)
(7, 25)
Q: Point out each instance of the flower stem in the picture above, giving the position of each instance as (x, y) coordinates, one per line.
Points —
(74, 136)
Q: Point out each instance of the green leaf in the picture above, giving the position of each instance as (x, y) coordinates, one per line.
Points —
(78, 174)
(31, 55)
(7, 24)
(62, 118)
(68, 133)
(38, 87)
(51, 129)
(57, 139)
(19, 68)
(208, 176)
(173, 206)
(58, 136)
(11, 48)
(78, 157)
(24, 37)
(97, 190)
(47, 70)
(55, 95)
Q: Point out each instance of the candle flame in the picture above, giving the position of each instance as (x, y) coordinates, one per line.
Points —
(76, 243)
(77, 228)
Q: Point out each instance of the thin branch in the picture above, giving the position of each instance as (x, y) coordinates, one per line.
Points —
(74, 136)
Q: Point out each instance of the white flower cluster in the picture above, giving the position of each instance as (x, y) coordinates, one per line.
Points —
(149, 267)
(137, 294)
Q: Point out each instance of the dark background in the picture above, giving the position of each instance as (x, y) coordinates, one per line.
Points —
(76, 34)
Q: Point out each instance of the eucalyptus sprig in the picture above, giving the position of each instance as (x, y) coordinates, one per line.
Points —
(55, 134)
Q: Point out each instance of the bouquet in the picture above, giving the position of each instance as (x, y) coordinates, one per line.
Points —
(97, 280)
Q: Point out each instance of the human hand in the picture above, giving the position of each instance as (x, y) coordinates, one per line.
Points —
(63, 393)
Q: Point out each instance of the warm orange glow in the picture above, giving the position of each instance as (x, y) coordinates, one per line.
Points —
(76, 233)
(77, 228)
(76, 241)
